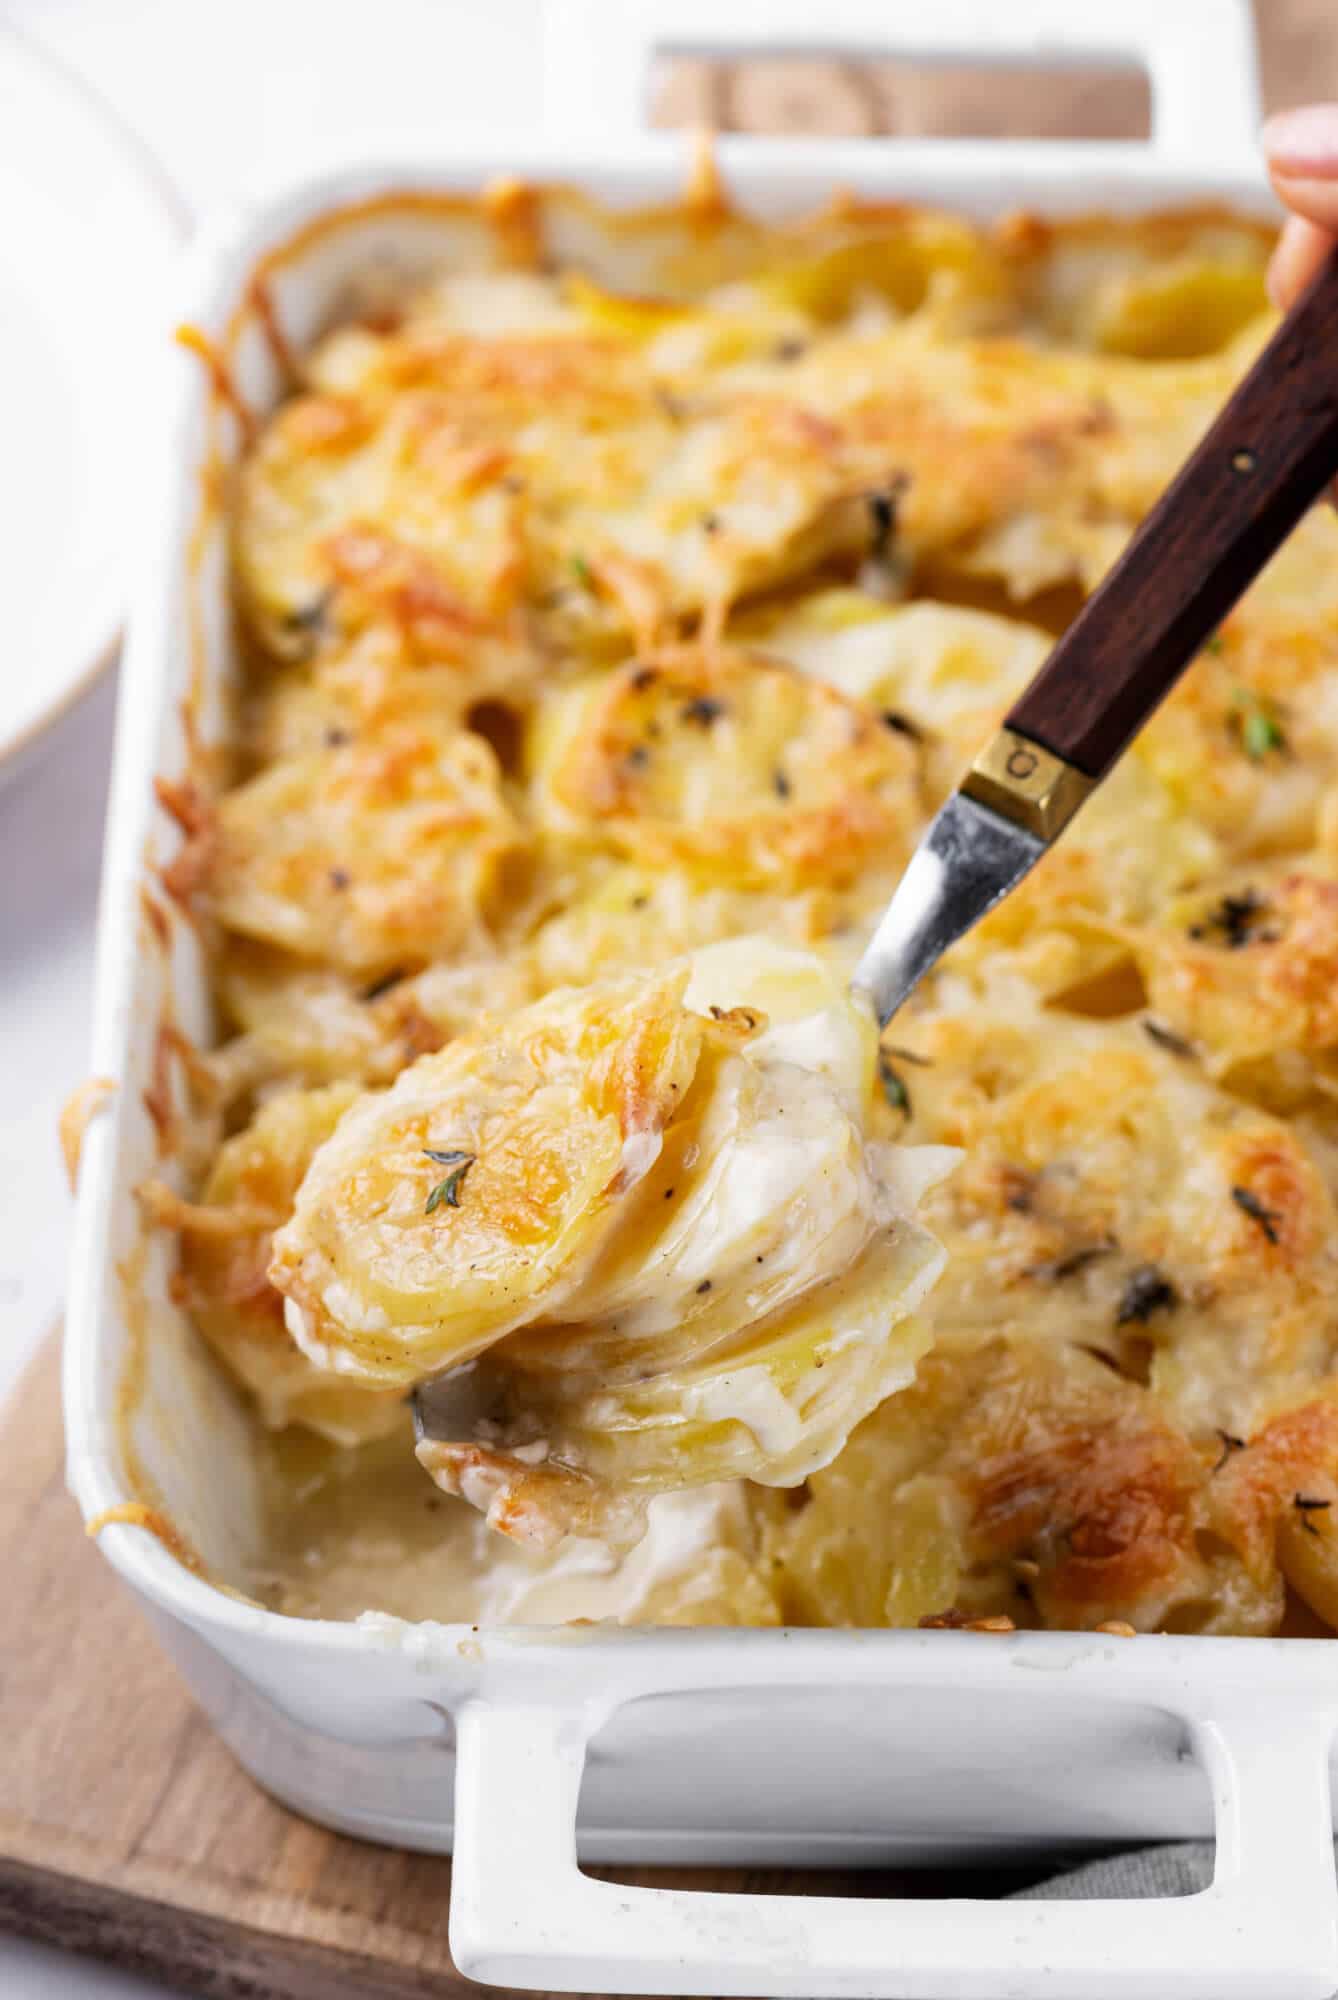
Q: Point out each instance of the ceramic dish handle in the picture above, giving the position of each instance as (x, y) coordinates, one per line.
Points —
(523, 1914)
(1200, 60)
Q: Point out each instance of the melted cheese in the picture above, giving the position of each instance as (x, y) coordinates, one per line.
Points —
(363, 1535)
(364, 856)
(608, 611)
(672, 1254)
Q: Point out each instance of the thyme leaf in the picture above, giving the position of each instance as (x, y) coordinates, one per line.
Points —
(1249, 1203)
(1256, 720)
(1230, 1443)
(1146, 1292)
(1100, 1354)
(384, 984)
(882, 522)
(1236, 920)
(1166, 1038)
(1069, 1265)
(894, 1089)
(447, 1192)
(885, 570)
(901, 725)
(1261, 733)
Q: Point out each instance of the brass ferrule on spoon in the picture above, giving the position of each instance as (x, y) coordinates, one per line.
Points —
(1027, 784)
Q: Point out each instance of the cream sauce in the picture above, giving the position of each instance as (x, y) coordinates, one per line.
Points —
(365, 1531)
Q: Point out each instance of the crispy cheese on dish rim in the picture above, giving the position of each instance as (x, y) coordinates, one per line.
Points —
(225, 1246)
(647, 1223)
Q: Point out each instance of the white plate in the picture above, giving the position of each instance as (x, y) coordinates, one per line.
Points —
(88, 227)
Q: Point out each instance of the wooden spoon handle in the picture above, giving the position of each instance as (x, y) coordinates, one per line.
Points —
(1268, 455)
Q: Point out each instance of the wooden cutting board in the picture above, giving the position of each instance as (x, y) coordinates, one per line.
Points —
(127, 1830)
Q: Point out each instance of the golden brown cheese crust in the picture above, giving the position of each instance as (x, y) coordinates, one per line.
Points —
(1248, 972)
(1141, 1272)
(369, 855)
(831, 485)
(1030, 1482)
(226, 1242)
(1112, 1197)
(739, 769)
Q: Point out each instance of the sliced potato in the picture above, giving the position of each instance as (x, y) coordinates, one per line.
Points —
(308, 1024)
(669, 1246)
(370, 857)
(476, 1192)
(809, 473)
(940, 675)
(771, 1406)
(724, 762)
(616, 915)
(225, 1248)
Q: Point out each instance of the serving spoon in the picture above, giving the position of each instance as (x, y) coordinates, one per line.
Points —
(1266, 458)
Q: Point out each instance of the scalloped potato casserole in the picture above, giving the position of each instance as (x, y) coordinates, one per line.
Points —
(608, 648)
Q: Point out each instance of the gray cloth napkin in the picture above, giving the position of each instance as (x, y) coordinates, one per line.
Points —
(1180, 1869)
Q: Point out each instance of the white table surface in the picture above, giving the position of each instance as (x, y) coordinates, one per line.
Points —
(232, 95)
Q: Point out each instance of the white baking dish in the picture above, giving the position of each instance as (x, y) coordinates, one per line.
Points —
(707, 1746)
